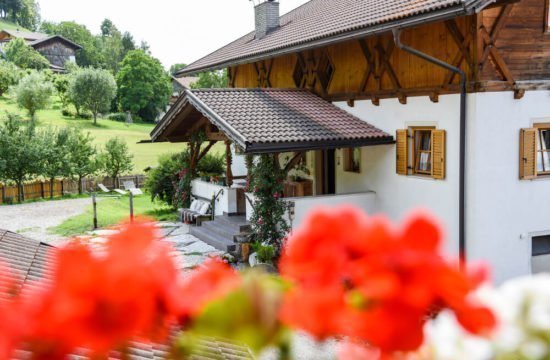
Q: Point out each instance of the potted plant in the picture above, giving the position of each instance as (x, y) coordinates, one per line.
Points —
(263, 257)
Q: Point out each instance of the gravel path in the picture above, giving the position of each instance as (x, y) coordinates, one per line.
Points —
(33, 220)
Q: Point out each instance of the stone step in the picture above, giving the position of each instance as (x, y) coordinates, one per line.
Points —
(238, 223)
(222, 229)
(213, 239)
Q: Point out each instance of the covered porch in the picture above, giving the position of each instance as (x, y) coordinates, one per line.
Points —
(304, 133)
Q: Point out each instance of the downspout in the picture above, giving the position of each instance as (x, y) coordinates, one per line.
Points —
(462, 180)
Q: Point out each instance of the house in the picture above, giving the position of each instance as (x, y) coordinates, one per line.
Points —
(180, 84)
(55, 48)
(454, 102)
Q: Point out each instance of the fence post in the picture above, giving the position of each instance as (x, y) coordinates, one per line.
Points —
(42, 189)
(131, 207)
(95, 210)
(62, 189)
(3, 194)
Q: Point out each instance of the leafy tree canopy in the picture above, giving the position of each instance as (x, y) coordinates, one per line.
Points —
(24, 56)
(211, 80)
(33, 93)
(9, 75)
(116, 159)
(93, 89)
(177, 67)
(83, 157)
(25, 13)
(143, 86)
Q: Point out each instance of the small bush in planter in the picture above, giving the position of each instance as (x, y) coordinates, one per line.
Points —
(264, 253)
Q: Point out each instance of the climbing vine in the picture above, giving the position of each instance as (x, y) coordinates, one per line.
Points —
(269, 226)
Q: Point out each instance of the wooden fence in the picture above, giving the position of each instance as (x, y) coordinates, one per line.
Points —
(41, 189)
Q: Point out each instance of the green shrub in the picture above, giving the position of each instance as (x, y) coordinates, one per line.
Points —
(121, 117)
(162, 181)
(212, 165)
(265, 253)
(33, 93)
(9, 75)
(86, 115)
(24, 56)
(67, 111)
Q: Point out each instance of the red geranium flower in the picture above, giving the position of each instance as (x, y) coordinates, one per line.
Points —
(13, 321)
(380, 283)
(211, 281)
(101, 300)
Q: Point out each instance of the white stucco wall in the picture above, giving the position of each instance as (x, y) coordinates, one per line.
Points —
(397, 195)
(503, 211)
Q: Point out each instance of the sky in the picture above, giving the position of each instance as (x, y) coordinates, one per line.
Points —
(178, 31)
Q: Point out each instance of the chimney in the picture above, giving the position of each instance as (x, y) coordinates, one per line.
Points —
(267, 17)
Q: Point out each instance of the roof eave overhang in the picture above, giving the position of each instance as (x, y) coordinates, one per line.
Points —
(265, 148)
(466, 8)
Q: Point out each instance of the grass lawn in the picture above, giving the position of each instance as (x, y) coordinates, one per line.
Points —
(144, 154)
(7, 25)
(111, 211)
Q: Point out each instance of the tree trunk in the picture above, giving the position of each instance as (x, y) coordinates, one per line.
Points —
(80, 185)
(20, 195)
(95, 118)
(51, 187)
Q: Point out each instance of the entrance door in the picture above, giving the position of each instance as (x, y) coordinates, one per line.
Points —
(325, 172)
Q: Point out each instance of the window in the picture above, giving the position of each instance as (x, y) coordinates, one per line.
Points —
(422, 151)
(543, 151)
(352, 160)
(535, 152)
(426, 146)
(540, 255)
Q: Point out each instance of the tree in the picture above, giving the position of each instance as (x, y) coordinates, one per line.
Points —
(9, 75)
(82, 156)
(94, 89)
(211, 80)
(108, 28)
(20, 152)
(176, 67)
(116, 158)
(61, 85)
(91, 54)
(55, 155)
(128, 43)
(24, 56)
(33, 93)
(143, 86)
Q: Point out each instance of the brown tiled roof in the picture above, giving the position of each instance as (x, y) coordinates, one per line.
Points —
(60, 38)
(32, 260)
(275, 120)
(317, 21)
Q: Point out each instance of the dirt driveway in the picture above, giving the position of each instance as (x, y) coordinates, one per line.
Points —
(33, 220)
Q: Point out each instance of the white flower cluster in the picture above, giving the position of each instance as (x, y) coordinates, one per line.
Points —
(522, 307)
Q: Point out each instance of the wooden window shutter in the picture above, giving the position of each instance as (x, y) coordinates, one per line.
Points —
(438, 154)
(528, 154)
(402, 163)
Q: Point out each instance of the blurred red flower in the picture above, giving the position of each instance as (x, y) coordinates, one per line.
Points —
(13, 320)
(379, 283)
(100, 300)
(212, 280)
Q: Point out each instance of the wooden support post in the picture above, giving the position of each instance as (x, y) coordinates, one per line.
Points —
(131, 207)
(229, 162)
(94, 202)
(42, 189)
(62, 188)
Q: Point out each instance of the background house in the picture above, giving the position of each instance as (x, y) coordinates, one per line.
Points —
(56, 48)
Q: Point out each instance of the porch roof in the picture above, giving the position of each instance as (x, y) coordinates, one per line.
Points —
(268, 120)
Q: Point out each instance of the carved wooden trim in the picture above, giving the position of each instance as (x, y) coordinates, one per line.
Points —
(263, 71)
(489, 49)
(463, 43)
(311, 69)
(232, 75)
(385, 66)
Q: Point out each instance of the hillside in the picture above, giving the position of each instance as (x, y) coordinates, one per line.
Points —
(144, 154)
(7, 25)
